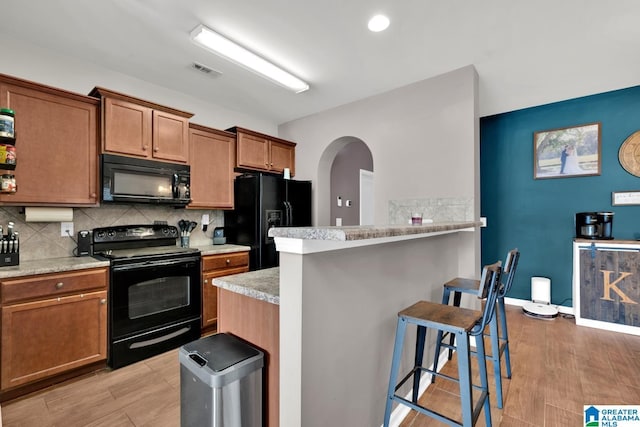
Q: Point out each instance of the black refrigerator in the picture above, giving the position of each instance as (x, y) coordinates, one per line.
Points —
(263, 201)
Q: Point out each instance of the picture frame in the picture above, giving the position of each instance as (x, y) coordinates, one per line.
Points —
(572, 151)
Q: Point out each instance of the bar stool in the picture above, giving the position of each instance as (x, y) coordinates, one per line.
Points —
(461, 322)
(499, 338)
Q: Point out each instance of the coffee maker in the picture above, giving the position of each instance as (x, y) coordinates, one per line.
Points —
(594, 225)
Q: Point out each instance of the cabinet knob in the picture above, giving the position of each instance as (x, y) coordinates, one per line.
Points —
(155, 149)
(144, 148)
(228, 261)
(103, 301)
(59, 285)
(271, 164)
(206, 281)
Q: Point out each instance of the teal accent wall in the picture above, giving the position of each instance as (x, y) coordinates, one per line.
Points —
(537, 216)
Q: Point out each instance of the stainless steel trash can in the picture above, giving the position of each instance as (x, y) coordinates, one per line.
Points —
(220, 383)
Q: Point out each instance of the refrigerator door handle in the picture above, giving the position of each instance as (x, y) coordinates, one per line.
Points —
(290, 214)
(286, 213)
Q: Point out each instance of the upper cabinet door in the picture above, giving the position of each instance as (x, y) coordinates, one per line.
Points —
(282, 156)
(262, 152)
(213, 156)
(253, 152)
(127, 128)
(56, 145)
(170, 137)
(135, 127)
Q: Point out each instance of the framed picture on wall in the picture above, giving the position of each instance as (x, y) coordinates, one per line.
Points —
(567, 152)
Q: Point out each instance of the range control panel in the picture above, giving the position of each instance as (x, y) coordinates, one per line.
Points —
(129, 233)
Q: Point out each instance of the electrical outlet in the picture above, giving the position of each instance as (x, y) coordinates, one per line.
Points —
(66, 227)
(483, 220)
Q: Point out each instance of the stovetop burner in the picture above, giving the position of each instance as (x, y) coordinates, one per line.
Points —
(137, 241)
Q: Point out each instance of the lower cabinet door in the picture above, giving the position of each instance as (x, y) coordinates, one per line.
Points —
(210, 292)
(48, 337)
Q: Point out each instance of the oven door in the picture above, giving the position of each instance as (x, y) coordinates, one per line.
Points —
(148, 295)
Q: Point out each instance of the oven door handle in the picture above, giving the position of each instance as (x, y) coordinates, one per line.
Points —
(146, 264)
(154, 341)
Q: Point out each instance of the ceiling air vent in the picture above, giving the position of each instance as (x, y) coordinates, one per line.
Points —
(205, 70)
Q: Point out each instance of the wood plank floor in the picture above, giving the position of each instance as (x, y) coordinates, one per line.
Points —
(557, 368)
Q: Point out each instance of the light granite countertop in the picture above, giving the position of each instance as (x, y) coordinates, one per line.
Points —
(221, 249)
(52, 265)
(262, 285)
(56, 265)
(363, 232)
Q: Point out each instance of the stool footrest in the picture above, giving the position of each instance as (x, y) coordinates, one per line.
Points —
(477, 407)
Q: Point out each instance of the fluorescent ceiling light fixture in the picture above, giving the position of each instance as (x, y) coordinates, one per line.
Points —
(378, 23)
(227, 49)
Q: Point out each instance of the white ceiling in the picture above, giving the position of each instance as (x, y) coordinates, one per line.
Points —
(526, 53)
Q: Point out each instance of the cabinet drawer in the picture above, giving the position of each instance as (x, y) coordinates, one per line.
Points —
(231, 260)
(48, 285)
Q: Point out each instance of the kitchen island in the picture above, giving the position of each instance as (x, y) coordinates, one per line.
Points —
(340, 291)
(328, 314)
(248, 307)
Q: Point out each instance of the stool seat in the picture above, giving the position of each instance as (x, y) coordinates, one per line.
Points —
(460, 284)
(456, 319)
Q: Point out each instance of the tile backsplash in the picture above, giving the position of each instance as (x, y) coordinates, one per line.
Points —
(436, 209)
(42, 240)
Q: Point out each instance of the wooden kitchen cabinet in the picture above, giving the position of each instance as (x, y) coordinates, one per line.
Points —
(56, 145)
(135, 127)
(216, 266)
(257, 151)
(52, 324)
(213, 156)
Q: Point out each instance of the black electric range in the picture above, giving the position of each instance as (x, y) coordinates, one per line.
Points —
(154, 290)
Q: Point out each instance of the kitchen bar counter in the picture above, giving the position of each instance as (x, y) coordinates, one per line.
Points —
(56, 265)
(341, 289)
(263, 285)
(364, 232)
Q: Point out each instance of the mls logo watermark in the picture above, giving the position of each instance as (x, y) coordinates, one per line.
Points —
(612, 415)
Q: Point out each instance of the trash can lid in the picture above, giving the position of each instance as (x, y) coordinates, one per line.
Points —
(221, 350)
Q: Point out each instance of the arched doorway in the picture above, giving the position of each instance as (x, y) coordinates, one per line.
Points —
(339, 182)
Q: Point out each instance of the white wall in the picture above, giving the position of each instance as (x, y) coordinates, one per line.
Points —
(39, 65)
(423, 138)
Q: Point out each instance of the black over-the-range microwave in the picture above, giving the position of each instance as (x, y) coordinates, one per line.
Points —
(131, 180)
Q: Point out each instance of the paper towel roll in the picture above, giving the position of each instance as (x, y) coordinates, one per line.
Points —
(541, 290)
(48, 214)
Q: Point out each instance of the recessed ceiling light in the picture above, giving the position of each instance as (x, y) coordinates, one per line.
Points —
(378, 23)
